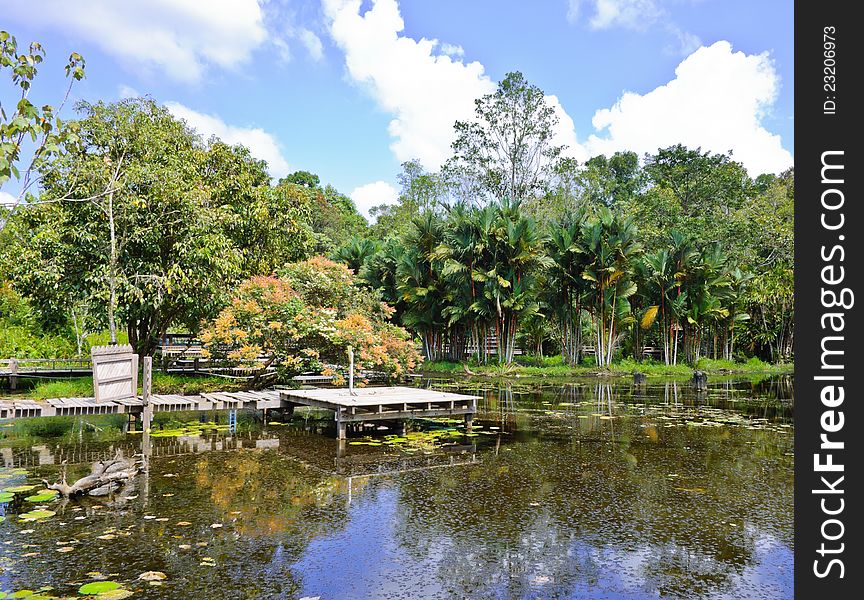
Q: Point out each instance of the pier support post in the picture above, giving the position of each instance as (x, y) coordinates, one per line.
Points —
(639, 378)
(469, 421)
(700, 380)
(13, 374)
(341, 429)
(146, 388)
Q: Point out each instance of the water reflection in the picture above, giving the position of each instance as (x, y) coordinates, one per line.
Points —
(588, 490)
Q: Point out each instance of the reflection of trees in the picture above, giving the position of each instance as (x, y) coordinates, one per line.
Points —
(555, 517)
(272, 496)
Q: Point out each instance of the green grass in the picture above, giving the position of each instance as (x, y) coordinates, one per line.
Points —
(553, 366)
(82, 387)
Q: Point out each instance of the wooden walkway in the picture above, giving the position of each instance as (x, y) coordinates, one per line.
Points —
(58, 407)
(382, 403)
(387, 404)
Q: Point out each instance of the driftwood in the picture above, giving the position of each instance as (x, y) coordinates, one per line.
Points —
(104, 478)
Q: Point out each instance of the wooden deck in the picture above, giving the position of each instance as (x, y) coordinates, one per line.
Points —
(17, 409)
(382, 403)
(387, 404)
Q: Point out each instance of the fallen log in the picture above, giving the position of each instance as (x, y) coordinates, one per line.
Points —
(104, 477)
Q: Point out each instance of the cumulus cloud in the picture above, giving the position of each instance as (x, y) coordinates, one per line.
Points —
(373, 194)
(717, 102)
(261, 144)
(424, 84)
(179, 38)
(7, 199)
(426, 91)
(631, 14)
(687, 43)
(453, 50)
(312, 43)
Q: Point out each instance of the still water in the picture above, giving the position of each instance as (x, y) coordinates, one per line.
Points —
(577, 490)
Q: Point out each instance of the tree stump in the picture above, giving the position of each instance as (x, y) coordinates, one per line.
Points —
(700, 380)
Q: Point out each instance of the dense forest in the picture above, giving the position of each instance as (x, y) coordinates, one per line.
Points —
(132, 226)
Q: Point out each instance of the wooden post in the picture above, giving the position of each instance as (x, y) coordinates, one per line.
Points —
(700, 380)
(350, 370)
(469, 420)
(638, 378)
(13, 374)
(147, 384)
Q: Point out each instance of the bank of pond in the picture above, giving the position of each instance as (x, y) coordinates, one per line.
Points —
(584, 488)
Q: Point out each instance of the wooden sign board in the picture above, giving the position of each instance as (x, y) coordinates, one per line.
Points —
(115, 372)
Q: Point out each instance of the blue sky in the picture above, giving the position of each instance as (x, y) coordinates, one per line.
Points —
(349, 89)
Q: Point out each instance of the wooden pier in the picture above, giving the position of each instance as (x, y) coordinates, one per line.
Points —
(394, 404)
(115, 383)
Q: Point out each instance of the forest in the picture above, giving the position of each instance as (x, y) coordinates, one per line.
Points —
(130, 226)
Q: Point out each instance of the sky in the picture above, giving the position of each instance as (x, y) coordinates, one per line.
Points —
(350, 89)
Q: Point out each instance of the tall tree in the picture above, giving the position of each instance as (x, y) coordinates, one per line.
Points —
(166, 242)
(508, 148)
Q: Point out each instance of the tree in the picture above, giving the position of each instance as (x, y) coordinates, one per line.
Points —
(611, 247)
(420, 191)
(28, 123)
(302, 178)
(566, 289)
(334, 217)
(165, 243)
(270, 226)
(355, 252)
(508, 148)
(306, 319)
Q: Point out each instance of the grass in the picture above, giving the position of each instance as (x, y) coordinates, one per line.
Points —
(553, 366)
(82, 387)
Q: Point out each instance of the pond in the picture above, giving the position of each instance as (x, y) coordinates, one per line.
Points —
(589, 489)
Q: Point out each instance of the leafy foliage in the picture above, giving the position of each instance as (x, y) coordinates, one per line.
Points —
(306, 319)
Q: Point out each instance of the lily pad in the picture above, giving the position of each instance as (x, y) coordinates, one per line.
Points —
(17, 489)
(98, 587)
(6, 496)
(35, 515)
(43, 496)
(152, 576)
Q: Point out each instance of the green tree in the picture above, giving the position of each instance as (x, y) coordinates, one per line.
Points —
(166, 228)
(508, 148)
(611, 247)
(28, 123)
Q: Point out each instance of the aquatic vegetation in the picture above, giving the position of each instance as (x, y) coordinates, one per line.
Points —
(98, 588)
(189, 428)
(20, 488)
(43, 496)
(37, 515)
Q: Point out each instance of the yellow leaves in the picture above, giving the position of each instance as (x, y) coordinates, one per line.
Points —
(649, 317)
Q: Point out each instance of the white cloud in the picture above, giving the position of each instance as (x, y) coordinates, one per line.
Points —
(453, 50)
(7, 199)
(716, 101)
(177, 37)
(426, 92)
(312, 43)
(126, 91)
(261, 144)
(631, 14)
(688, 43)
(373, 194)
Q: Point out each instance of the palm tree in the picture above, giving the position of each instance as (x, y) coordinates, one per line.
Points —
(355, 251)
(421, 286)
(611, 248)
(566, 288)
